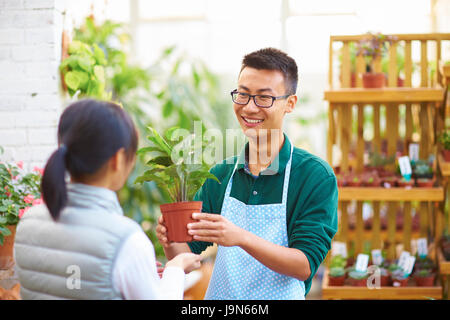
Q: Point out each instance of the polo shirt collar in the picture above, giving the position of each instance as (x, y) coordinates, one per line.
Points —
(278, 164)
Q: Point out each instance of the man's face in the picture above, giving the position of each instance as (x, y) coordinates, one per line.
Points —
(253, 118)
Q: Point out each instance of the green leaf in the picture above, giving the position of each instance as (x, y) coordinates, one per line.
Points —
(85, 63)
(72, 81)
(5, 231)
(159, 141)
(161, 160)
(99, 73)
(167, 108)
(145, 150)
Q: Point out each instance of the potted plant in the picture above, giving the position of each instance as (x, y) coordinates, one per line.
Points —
(18, 192)
(377, 162)
(372, 180)
(424, 277)
(336, 276)
(444, 139)
(358, 278)
(372, 47)
(398, 277)
(354, 181)
(384, 276)
(389, 181)
(403, 183)
(425, 263)
(177, 168)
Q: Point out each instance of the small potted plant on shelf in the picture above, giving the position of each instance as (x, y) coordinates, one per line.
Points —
(19, 191)
(423, 174)
(424, 277)
(179, 169)
(377, 162)
(371, 180)
(358, 278)
(403, 183)
(444, 139)
(373, 46)
(398, 277)
(354, 181)
(336, 276)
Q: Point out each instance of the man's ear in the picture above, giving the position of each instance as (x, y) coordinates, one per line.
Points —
(291, 102)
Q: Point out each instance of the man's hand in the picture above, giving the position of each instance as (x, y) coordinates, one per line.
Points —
(161, 232)
(216, 228)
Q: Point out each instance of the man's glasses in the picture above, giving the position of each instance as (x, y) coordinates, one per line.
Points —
(260, 100)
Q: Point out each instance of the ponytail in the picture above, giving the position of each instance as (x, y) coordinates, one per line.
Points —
(53, 185)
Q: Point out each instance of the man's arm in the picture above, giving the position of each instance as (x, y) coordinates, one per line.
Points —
(216, 228)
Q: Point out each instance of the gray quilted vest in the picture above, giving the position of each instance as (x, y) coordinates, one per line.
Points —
(73, 258)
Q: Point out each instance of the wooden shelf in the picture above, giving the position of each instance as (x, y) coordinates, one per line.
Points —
(383, 293)
(444, 166)
(391, 194)
(444, 266)
(402, 95)
(368, 235)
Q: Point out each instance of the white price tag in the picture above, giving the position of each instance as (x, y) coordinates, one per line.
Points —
(414, 151)
(339, 248)
(422, 247)
(377, 258)
(409, 265)
(402, 261)
(405, 166)
(361, 262)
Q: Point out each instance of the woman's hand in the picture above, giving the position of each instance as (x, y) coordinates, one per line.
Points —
(216, 228)
(186, 261)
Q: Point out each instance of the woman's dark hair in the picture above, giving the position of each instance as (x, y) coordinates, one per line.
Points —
(90, 132)
(274, 59)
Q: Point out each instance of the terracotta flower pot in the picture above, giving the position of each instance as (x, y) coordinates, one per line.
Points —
(399, 282)
(425, 281)
(385, 281)
(389, 182)
(373, 80)
(358, 282)
(336, 281)
(425, 183)
(402, 183)
(177, 216)
(446, 154)
(7, 250)
(352, 183)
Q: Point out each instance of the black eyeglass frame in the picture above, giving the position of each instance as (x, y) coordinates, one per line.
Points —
(250, 96)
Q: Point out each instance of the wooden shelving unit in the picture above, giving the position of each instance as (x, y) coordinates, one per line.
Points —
(398, 117)
(411, 292)
(391, 194)
(384, 95)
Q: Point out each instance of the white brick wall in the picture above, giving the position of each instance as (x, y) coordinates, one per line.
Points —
(30, 103)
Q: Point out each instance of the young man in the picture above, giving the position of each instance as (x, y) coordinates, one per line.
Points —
(275, 212)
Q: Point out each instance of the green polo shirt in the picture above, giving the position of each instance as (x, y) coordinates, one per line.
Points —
(311, 203)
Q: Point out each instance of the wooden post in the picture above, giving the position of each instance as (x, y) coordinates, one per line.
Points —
(376, 226)
(359, 239)
(407, 226)
(391, 229)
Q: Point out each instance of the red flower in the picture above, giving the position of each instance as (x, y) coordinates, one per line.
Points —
(37, 201)
(39, 170)
(20, 164)
(28, 199)
(21, 212)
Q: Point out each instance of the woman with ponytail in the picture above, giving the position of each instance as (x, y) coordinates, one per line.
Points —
(79, 245)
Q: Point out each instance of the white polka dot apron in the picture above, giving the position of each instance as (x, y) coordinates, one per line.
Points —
(239, 276)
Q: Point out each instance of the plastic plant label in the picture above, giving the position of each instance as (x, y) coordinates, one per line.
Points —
(339, 248)
(414, 151)
(377, 258)
(409, 265)
(422, 247)
(361, 262)
(405, 167)
(402, 261)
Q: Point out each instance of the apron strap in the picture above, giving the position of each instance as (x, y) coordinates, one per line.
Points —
(287, 174)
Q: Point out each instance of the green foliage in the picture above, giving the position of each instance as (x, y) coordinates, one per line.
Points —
(358, 275)
(18, 191)
(176, 167)
(444, 139)
(372, 47)
(424, 273)
(84, 72)
(338, 261)
(379, 160)
(337, 272)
